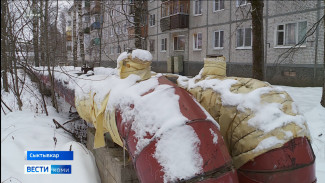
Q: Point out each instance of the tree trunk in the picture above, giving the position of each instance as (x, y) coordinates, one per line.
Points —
(51, 75)
(323, 95)
(81, 33)
(43, 26)
(74, 32)
(4, 42)
(137, 24)
(101, 22)
(258, 41)
(35, 33)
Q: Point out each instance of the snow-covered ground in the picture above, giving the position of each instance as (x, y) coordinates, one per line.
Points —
(31, 129)
(308, 99)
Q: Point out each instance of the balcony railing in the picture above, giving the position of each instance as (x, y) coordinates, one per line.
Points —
(95, 25)
(174, 14)
(144, 31)
(96, 9)
(87, 30)
(96, 41)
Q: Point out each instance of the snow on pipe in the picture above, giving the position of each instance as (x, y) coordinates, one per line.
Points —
(265, 134)
(169, 136)
(186, 147)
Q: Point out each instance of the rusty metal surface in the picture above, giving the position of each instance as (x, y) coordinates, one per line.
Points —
(293, 162)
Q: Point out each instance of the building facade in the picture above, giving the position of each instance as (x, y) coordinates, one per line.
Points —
(193, 29)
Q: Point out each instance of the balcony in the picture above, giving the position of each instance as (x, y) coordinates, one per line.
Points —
(87, 30)
(69, 35)
(96, 41)
(144, 32)
(96, 9)
(95, 25)
(174, 15)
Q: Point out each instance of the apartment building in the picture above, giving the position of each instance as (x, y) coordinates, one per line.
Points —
(86, 28)
(199, 28)
(193, 29)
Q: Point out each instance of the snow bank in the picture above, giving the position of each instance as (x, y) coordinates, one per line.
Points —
(26, 131)
(31, 130)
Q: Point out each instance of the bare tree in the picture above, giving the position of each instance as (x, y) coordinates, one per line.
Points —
(35, 32)
(74, 32)
(63, 48)
(50, 73)
(258, 40)
(4, 42)
(81, 33)
(323, 95)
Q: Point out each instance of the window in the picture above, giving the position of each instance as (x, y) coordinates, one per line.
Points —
(86, 18)
(151, 45)
(244, 37)
(119, 11)
(197, 7)
(118, 49)
(291, 33)
(218, 5)
(118, 30)
(218, 39)
(125, 28)
(112, 50)
(112, 13)
(165, 9)
(197, 38)
(124, 47)
(242, 2)
(164, 44)
(152, 20)
(179, 43)
(112, 32)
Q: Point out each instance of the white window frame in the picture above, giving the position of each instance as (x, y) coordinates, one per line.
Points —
(195, 7)
(196, 40)
(219, 9)
(163, 45)
(125, 29)
(183, 36)
(117, 30)
(244, 37)
(152, 20)
(152, 46)
(118, 49)
(245, 2)
(214, 39)
(285, 45)
(112, 32)
(111, 50)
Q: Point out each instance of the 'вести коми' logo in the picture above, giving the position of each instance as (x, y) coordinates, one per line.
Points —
(47, 169)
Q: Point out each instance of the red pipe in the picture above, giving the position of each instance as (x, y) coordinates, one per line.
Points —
(293, 162)
(217, 164)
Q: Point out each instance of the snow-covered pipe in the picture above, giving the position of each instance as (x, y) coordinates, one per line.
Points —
(193, 151)
(266, 136)
(169, 136)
